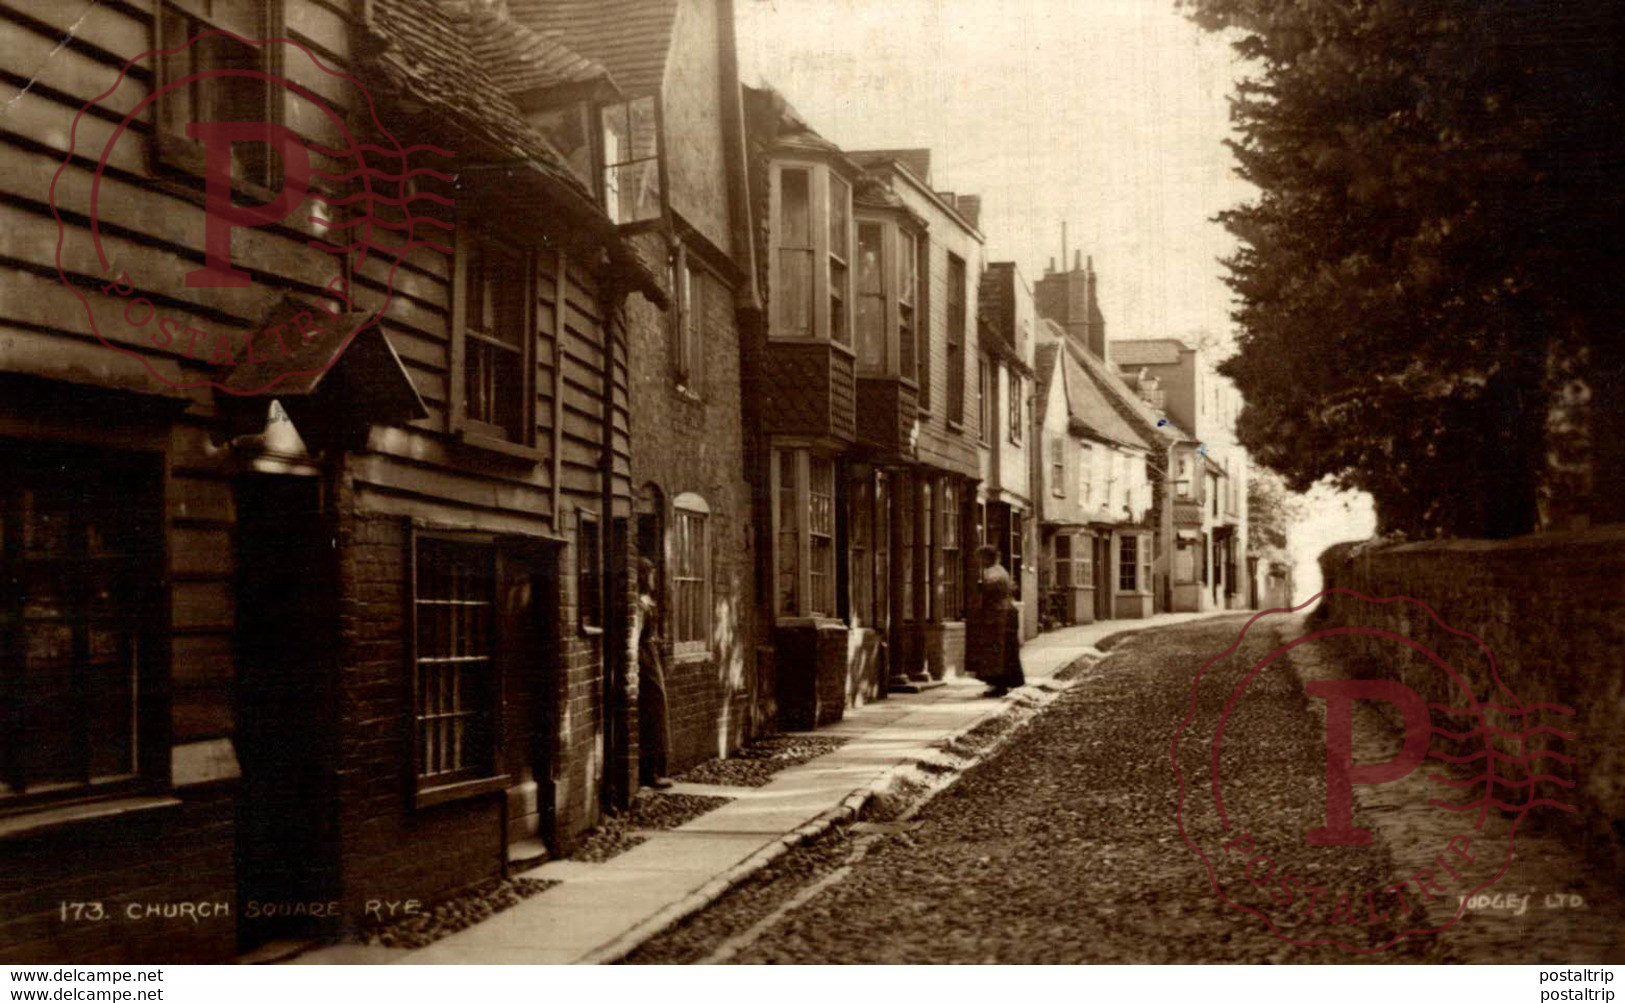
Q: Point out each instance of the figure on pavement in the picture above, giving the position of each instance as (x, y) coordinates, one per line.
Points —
(653, 740)
(995, 639)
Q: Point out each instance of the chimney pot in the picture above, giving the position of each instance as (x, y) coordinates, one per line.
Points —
(1077, 261)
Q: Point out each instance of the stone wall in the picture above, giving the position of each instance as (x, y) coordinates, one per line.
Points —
(1550, 608)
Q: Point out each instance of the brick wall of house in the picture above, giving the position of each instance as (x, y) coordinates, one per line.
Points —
(694, 442)
(388, 849)
(1550, 608)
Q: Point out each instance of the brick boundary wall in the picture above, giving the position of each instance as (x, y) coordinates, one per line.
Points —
(1551, 608)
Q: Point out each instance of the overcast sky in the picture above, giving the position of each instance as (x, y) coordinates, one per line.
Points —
(1109, 115)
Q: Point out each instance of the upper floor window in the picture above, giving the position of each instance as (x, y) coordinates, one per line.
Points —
(1017, 405)
(690, 286)
(1128, 566)
(631, 138)
(498, 372)
(812, 251)
(887, 292)
(872, 296)
(958, 334)
(984, 397)
(908, 297)
(1057, 466)
(1086, 472)
(225, 98)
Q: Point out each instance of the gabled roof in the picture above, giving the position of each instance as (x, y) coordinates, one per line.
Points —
(917, 161)
(1091, 413)
(1149, 422)
(1146, 352)
(632, 38)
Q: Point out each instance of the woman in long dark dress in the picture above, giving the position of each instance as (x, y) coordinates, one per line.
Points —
(653, 739)
(996, 641)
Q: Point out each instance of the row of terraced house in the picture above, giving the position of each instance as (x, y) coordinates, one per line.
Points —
(367, 636)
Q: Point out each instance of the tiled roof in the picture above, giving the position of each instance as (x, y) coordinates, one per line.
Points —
(428, 55)
(917, 161)
(1148, 352)
(775, 122)
(1147, 420)
(630, 37)
(1044, 357)
(520, 59)
(1092, 413)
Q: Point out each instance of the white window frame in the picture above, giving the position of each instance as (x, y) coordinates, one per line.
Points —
(690, 506)
(802, 606)
(818, 197)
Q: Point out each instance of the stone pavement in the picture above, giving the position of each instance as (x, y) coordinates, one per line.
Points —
(600, 911)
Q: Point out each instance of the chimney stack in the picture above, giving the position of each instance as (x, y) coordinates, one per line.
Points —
(1077, 261)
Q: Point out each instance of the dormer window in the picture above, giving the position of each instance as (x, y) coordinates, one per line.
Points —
(886, 297)
(812, 251)
(631, 138)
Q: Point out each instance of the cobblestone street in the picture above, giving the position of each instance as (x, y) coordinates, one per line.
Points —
(1063, 847)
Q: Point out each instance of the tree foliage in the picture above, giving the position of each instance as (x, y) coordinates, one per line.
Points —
(1271, 511)
(1433, 259)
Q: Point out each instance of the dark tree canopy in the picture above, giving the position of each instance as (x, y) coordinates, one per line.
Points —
(1428, 284)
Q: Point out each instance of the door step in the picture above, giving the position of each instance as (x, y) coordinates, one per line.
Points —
(527, 853)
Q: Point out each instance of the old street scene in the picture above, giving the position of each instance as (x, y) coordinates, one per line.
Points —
(731, 481)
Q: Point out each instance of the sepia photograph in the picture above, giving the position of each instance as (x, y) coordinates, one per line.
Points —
(1127, 483)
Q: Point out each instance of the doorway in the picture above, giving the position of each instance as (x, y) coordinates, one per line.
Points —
(1104, 582)
(287, 817)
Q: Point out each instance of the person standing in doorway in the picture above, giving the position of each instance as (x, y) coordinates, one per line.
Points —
(996, 642)
(653, 741)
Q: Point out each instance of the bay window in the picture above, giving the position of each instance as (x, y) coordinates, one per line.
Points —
(872, 354)
(908, 329)
(804, 533)
(953, 562)
(1128, 568)
(1062, 575)
(812, 250)
(958, 334)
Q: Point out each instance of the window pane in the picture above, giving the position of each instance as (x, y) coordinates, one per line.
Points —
(789, 541)
(821, 530)
(871, 297)
(641, 116)
(617, 135)
(795, 209)
(840, 207)
(455, 606)
(839, 330)
(795, 293)
(632, 191)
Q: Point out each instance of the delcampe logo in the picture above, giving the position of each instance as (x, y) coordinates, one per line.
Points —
(293, 227)
(1459, 776)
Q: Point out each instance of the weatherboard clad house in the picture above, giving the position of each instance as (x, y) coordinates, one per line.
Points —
(349, 640)
(665, 150)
